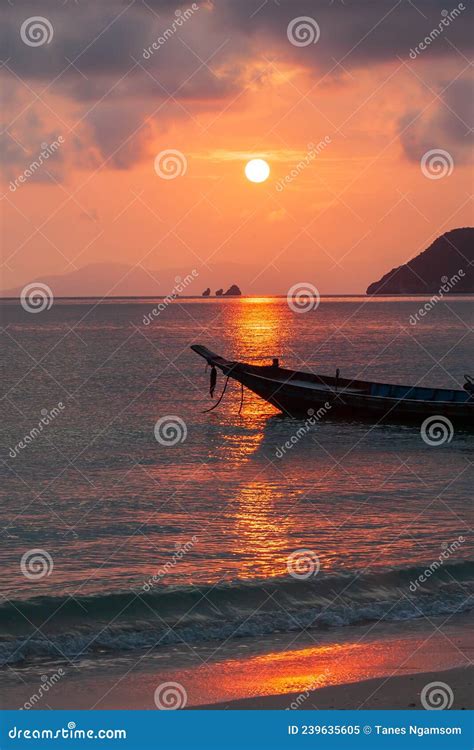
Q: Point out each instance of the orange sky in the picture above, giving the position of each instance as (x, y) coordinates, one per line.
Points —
(226, 85)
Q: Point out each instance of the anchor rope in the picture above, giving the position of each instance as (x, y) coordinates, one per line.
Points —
(205, 411)
(220, 398)
(241, 397)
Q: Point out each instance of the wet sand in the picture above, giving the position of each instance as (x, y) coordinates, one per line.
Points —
(383, 693)
(382, 665)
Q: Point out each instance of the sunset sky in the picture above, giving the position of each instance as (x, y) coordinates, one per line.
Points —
(228, 84)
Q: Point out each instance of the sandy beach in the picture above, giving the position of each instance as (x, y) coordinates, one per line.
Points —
(385, 665)
(383, 693)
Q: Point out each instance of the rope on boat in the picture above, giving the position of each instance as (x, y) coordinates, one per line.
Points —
(241, 397)
(220, 398)
(212, 386)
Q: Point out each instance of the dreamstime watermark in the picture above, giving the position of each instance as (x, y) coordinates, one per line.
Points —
(46, 684)
(448, 16)
(181, 16)
(71, 732)
(46, 418)
(36, 564)
(313, 418)
(303, 297)
(170, 696)
(302, 697)
(447, 285)
(302, 564)
(437, 430)
(47, 150)
(302, 31)
(312, 153)
(437, 696)
(36, 31)
(448, 550)
(180, 286)
(177, 556)
(170, 430)
(436, 164)
(36, 297)
(170, 164)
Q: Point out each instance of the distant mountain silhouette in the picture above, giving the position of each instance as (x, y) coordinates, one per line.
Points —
(111, 279)
(449, 260)
(233, 291)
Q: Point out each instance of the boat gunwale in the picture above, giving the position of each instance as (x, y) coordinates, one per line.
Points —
(365, 395)
(344, 384)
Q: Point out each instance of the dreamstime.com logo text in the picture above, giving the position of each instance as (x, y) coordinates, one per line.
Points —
(177, 556)
(302, 697)
(181, 285)
(448, 16)
(448, 550)
(67, 733)
(181, 16)
(313, 418)
(313, 151)
(46, 418)
(447, 285)
(47, 150)
(46, 684)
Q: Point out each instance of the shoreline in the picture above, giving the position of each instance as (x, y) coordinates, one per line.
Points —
(381, 665)
(393, 693)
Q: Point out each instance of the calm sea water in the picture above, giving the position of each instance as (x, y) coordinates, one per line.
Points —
(150, 544)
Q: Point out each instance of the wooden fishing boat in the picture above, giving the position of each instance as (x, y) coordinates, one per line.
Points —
(299, 393)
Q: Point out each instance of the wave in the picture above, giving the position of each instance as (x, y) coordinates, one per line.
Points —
(165, 615)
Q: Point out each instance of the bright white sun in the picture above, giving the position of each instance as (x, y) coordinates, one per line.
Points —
(257, 170)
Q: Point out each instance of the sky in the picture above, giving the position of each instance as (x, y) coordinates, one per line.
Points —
(148, 111)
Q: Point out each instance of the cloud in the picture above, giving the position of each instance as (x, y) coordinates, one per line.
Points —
(102, 41)
(26, 153)
(95, 61)
(357, 32)
(449, 126)
(120, 134)
(283, 155)
(90, 51)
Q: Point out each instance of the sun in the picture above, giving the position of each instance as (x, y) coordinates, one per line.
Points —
(257, 170)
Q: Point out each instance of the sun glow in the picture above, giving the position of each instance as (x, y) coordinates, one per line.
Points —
(257, 170)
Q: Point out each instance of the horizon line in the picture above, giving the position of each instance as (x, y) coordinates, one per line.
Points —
(237, 296)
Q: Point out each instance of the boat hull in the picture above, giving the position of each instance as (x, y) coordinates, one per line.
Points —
(294, 401)
(299, 394)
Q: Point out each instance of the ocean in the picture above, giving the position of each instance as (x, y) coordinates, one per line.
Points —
(133, 521)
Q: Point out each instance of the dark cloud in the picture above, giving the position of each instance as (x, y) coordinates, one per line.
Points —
(101, 58)
(449, 126)
(355, 32)
(102, 39)
(38, 157)
(120, 134)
